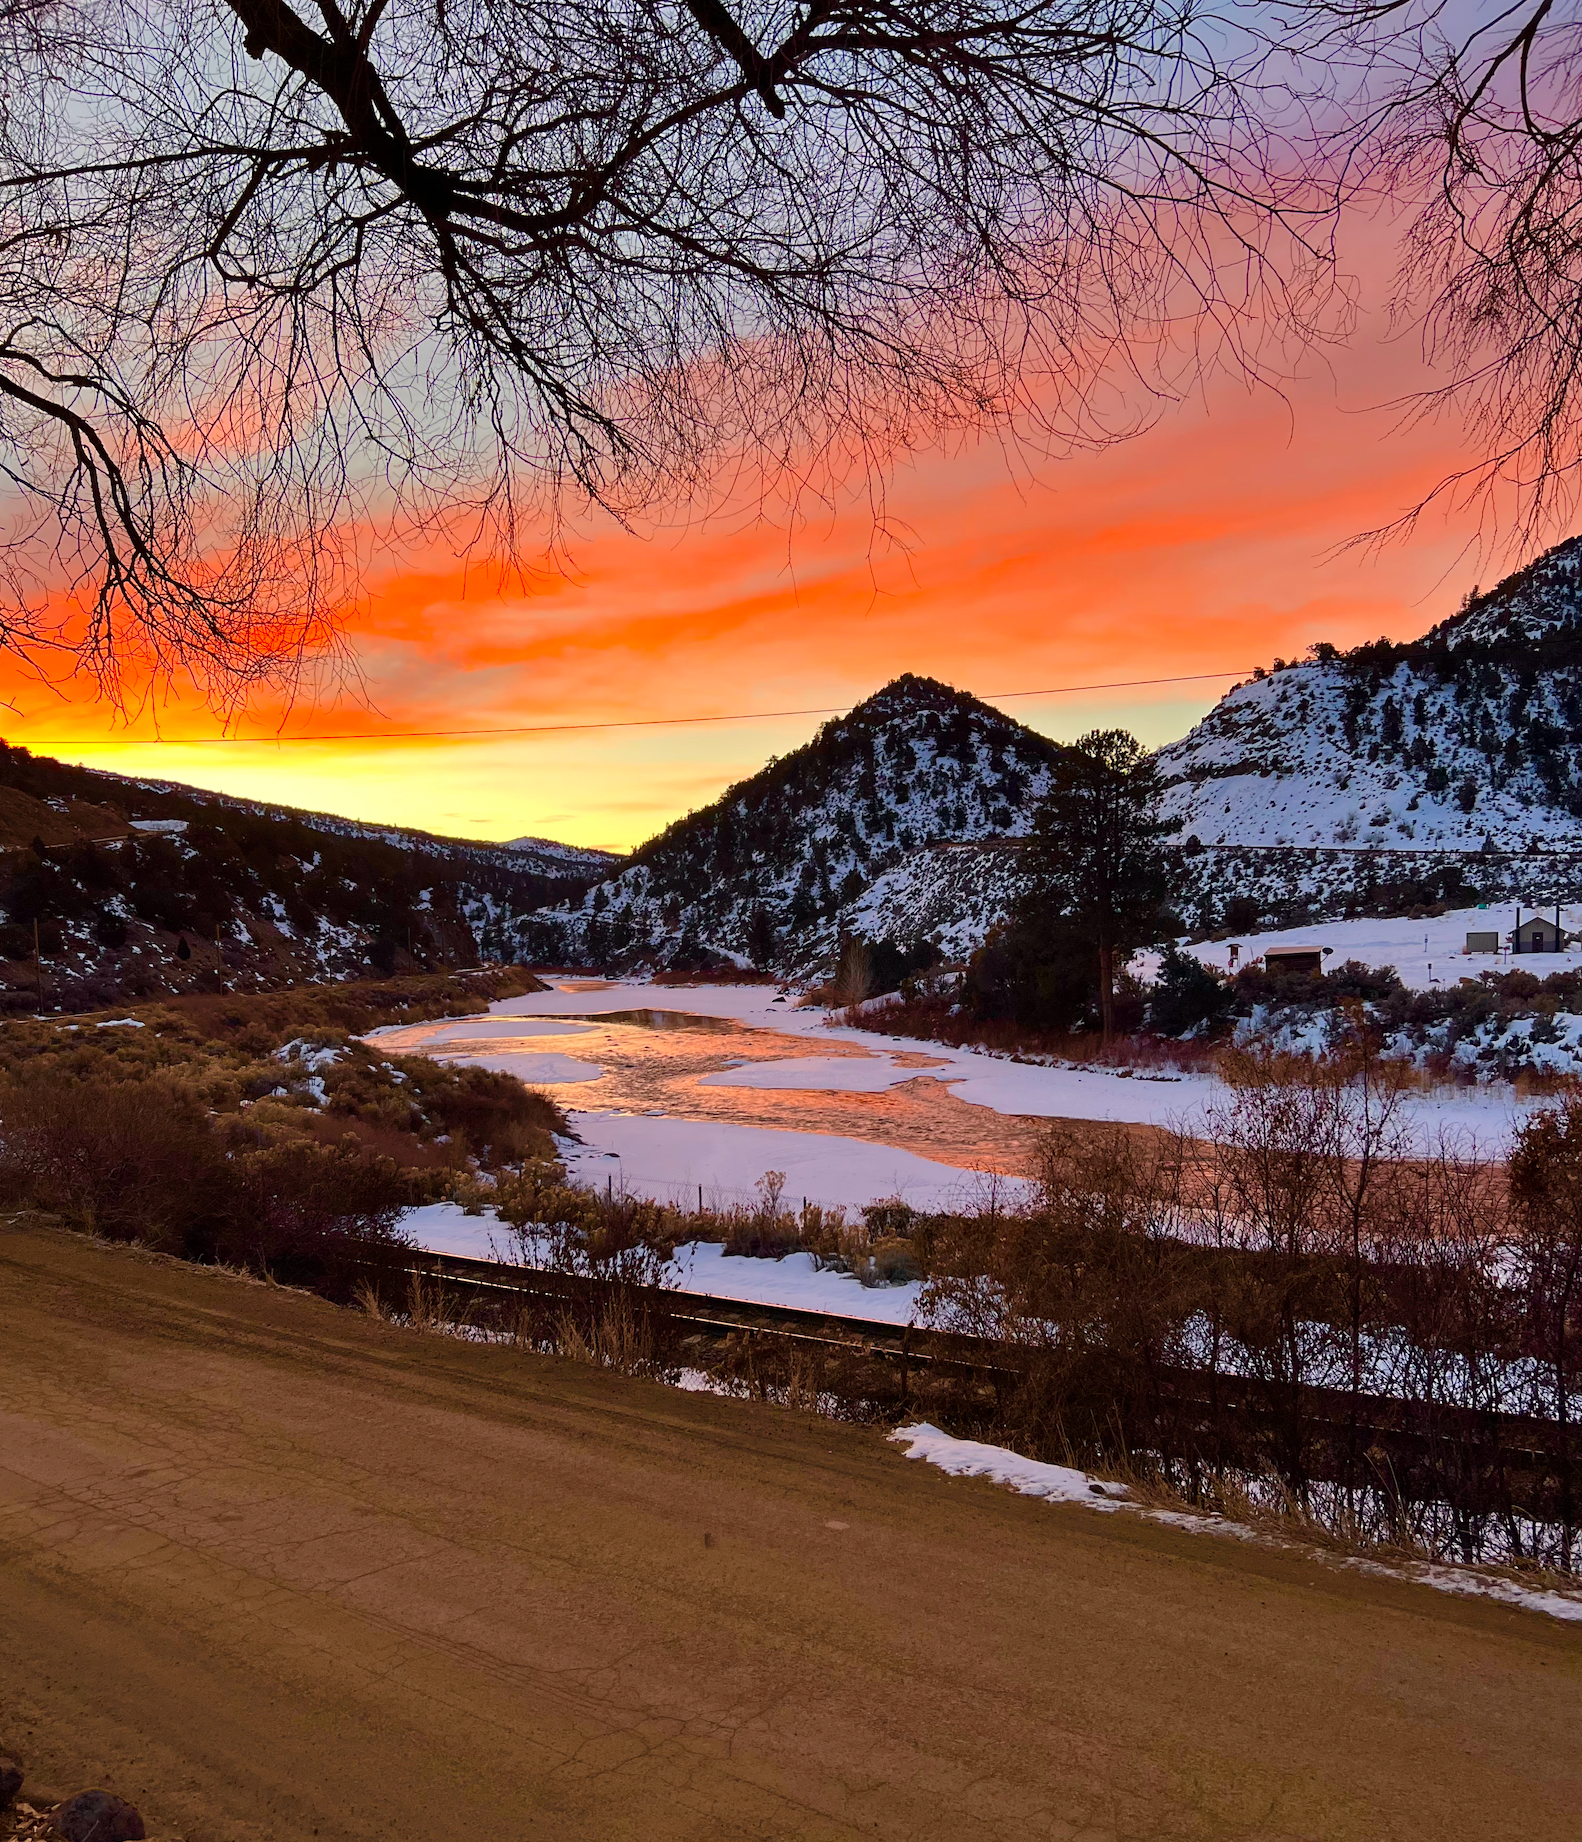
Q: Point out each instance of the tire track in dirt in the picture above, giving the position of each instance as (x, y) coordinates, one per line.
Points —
(274, 1571)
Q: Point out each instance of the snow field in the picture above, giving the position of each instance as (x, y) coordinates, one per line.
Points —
(1427, 953)
(672, 1159)
(700, 1267)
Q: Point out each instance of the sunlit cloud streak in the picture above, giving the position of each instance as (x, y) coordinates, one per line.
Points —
(1214, 541)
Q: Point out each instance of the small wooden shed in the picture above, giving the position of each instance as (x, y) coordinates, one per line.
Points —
(1537, 934)
(1294, 959)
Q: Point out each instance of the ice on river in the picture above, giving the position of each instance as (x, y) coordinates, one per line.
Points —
(671, 1159)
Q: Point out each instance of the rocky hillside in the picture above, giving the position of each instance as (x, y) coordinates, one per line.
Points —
(841, 835)
(114, 888)
(1445, 764)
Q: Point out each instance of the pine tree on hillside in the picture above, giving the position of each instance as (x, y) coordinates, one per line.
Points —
(761, 938)
(1104, 869)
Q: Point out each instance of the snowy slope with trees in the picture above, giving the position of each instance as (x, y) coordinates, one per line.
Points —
(1445, 765)
(113, 887)
(551, 858)
(837, 837)
(1466, 737)
(1447, 768)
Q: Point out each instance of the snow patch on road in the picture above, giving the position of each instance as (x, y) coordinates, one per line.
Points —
(1063, 1484)
(1027, 1476)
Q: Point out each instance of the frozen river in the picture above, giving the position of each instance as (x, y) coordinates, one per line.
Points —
(673, 1091)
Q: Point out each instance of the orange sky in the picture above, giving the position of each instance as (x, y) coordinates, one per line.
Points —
(1201, 545)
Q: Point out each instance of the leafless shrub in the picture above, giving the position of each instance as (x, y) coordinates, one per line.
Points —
(131, 1160)
(1546, 1186)
(768, 1231)
(143, 1160)
(853, 980)
(839, 1382)
(619, 1336)
(617, 1252)
(1362, 1333)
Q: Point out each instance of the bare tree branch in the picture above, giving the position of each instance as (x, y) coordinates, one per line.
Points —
(1476, 136)
(306, 275)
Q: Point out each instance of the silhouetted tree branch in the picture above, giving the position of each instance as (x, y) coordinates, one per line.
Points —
(1476, 133)
(278, 276)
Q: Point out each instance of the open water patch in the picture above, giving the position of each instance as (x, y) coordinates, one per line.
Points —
(660, 1020)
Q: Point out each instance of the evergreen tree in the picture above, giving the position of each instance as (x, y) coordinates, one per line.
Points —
(1104, 871)
(1187, 995)
(761, 938)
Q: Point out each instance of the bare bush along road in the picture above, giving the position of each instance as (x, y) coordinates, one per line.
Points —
(273, 1570)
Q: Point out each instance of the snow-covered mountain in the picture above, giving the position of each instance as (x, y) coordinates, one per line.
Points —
(1455, 759)
(842, 835)
(1395, 775)
(1467, 736)
(550, 858)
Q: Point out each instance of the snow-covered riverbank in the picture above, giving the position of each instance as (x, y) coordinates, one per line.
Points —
(700, 1266)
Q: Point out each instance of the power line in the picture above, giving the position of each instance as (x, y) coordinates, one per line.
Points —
(541, 729)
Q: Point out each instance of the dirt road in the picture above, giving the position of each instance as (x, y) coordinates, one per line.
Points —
(276, 1571)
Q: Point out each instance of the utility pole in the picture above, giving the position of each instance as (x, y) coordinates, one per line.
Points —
(38, 967)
